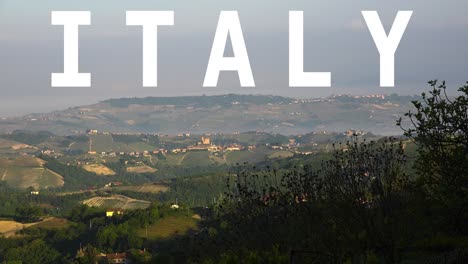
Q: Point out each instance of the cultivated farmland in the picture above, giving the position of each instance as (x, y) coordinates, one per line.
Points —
(140, 169)
(146, 188)
(116, 202)
(99, 169)
(24, 172)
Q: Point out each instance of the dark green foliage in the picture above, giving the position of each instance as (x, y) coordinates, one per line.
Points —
(161, 156)
(127, 139)
(250, 256)
(88, 256)
(29, 137)
(28, 213)
(118, 237)
(439, 126)
(34, 252)
(195, 191)
(350, 208)
(89, 227)
(74, 176)
(17, 204)
(78, 138)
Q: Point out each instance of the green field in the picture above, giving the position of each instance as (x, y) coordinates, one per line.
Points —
(173, 159)
(146, 188)
(192, 159)
(245, 156)
(197, 158)
(102, 143)
(106, 143)
(52, 223)
(27, 161)
(24, 172)
(140, 147)
(169, 226)
(116, 202)
(280, 154)
(79, 146)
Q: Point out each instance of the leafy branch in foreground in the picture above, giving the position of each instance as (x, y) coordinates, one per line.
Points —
(439, 126)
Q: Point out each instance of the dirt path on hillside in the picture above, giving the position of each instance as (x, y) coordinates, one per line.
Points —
(182, 160)
(4, 174)
(71, 145)
(9, 228)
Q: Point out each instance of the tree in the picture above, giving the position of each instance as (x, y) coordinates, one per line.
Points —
(88, 256)
(28, 213)
(439, 127)
(351, 208)
(364, 190)
(35, 252)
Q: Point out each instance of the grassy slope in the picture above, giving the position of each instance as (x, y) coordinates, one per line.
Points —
(197, 158)
(169, 226)
(116, 202)
(99, 169)
(25, 172)
(146, 188)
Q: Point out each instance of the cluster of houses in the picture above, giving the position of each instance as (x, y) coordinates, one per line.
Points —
(351, 132)
(112, 184)
(292, 146)
(206, 144)
(113, 258)
(368, 96)
(132, 153)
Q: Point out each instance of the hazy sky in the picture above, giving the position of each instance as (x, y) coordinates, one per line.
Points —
(336, 40)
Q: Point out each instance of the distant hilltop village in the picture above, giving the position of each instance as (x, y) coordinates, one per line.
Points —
(374, 96)
(342, 96)
(205, 143)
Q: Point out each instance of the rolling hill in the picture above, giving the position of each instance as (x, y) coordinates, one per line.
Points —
(223, 113)
(116, 202)
(25, 172)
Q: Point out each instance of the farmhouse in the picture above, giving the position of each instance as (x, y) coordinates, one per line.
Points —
(120, 258)
(214, 148)
(234, 147)
(114, 212)
(252, 148)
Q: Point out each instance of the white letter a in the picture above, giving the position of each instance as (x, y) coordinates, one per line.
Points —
(229, 24)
